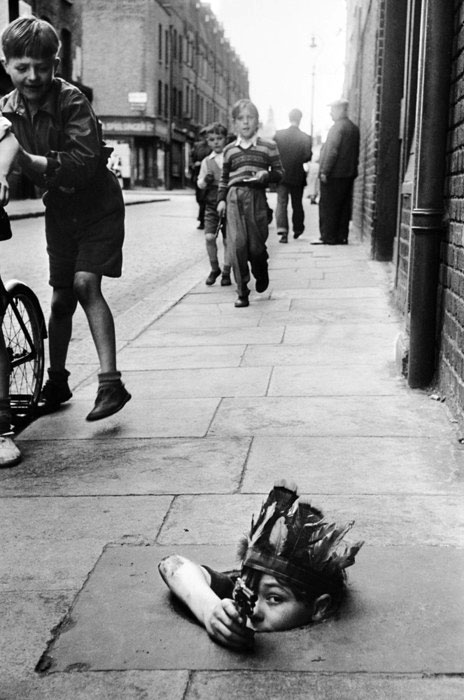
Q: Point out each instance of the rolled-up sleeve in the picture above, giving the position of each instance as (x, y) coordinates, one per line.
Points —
(75, 162)
(5, 127)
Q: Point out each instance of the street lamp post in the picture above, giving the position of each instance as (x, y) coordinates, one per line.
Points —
(313, 46)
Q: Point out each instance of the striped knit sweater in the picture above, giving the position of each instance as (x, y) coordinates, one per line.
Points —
(240, 163)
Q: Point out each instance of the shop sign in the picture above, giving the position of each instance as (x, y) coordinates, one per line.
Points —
(139, 126)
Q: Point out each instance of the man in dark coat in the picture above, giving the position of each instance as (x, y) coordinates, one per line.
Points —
(295, 149)
(338, 168)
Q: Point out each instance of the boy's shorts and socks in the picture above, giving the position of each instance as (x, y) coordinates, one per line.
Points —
(212, 223)
(9, 452)
(112, 395)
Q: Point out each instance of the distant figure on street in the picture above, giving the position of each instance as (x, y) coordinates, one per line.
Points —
(292, 573)
(200, 151)
(208, 182)
(60, 148)
(338, 168)
(250, 163)
(295, 150)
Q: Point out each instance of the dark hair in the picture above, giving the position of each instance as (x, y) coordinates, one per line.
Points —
(29, 36)
(241, 104)
(216, 128)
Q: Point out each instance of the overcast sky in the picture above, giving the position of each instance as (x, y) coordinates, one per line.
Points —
(273, 38)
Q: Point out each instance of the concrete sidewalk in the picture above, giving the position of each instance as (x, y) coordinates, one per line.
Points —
(302, 385)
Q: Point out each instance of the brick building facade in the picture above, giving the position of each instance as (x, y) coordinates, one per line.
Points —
(405, 82)
(160, 71)
(156, 72)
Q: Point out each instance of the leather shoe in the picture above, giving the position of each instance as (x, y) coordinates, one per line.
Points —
(212, 277)
(241, 302)
(297, 234)
(284, 238)
(262, 283)
(110, 399)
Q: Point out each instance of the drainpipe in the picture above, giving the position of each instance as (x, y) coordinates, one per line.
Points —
(428, 209)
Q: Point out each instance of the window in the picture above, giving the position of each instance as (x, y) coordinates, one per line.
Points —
(160, 42)
(166, 101)
(166, 47)
(65, 55)
(160, 97)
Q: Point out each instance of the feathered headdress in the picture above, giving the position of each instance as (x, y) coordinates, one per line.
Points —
(292, 540)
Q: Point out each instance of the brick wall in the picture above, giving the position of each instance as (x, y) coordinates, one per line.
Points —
(362, 87)
(451, 363)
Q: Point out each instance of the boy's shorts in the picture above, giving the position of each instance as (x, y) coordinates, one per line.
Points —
(85, 230)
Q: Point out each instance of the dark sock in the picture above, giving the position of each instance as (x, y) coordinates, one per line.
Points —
(58, 376)
(5, 416)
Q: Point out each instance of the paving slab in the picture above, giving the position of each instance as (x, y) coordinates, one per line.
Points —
(351, 337)
(211, 685)
(221, 336)
(126, 467)
(37, 612)
(141, 418)
(359, 465)
(53, 542)
(334, 415)
(137, 355)
(379, 630)
(381, 519)
(327, 380)
(130, 685)
(200, 383)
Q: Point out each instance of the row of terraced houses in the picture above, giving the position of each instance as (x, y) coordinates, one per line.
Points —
(156, 71)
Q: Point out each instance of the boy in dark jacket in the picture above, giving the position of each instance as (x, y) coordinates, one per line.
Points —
(62, 151)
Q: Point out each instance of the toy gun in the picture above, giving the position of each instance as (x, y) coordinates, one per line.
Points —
(221, 225)
(244, 598)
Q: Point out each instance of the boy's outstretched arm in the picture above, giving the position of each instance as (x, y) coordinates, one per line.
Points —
(191, 584)
(9, 148)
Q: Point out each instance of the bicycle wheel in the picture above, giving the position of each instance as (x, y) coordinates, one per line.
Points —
(24, 333)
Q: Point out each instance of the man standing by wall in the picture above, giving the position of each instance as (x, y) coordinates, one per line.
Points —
(295, 149)
(338, 168)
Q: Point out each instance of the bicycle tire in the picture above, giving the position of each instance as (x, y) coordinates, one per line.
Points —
(24, 332)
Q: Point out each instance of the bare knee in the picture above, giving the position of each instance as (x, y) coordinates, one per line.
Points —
(86, 288)
(210, 237)
(63, 303)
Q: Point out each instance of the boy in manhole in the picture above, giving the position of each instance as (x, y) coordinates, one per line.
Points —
(292, 573)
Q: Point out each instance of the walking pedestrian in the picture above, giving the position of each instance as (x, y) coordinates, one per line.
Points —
(295, 150)
(208, 182)
(200, 150)
(250, 163)
(292, 573)
(61, 150)
(338, 168)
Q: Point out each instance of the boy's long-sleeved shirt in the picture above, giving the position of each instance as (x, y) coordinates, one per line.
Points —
(241, 163)
(212, 164)
(65, 129)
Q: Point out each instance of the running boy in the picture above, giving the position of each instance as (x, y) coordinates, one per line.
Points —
(61, 150)
(292, 573)
(250, 163)
(208, 181)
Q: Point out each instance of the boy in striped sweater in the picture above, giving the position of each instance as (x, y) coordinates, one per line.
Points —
(249, 164)
(208, 181)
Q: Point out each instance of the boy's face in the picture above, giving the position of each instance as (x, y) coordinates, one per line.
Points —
(277, 608)
(216, 142)
(246, 123)
(32, 77)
